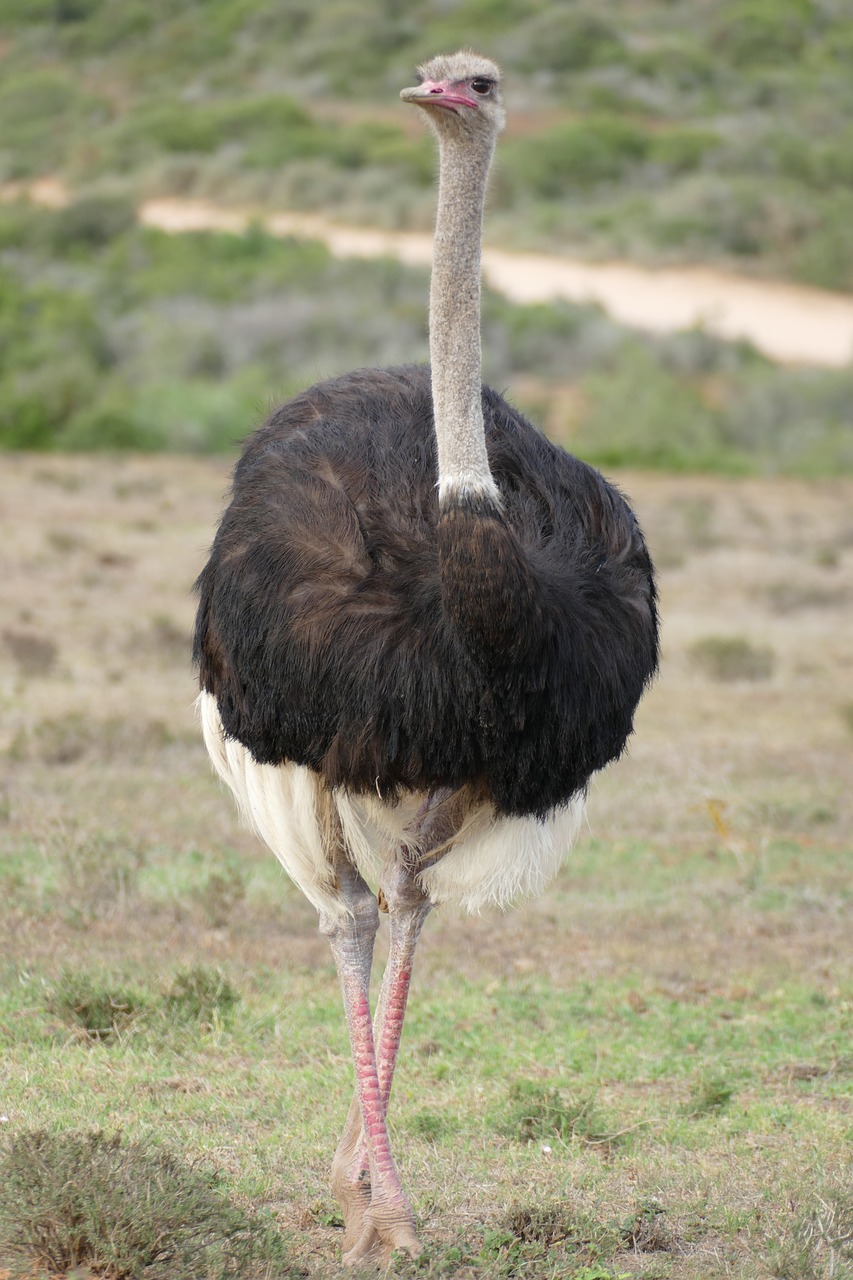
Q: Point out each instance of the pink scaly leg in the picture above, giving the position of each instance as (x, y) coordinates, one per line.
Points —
(388, 1222)
(401, 895)
(407, 906)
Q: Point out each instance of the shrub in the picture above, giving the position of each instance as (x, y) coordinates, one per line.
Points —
(109, 423)
(729, 658)
(124, 1210)
(563, 41)
(109, 27)
(34, 655)
(823, 253)
(578, 154)
(536, 1111)
(31, 105)
(200, 994)
(639, 413)
(682, 148)
(753, 32)
(93, 221)
(135, 339)
(98, 1012)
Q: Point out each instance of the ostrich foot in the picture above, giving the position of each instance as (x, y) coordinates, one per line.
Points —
(354, 1199)
(373, 1227)
(388, 1226)
(351, 1178)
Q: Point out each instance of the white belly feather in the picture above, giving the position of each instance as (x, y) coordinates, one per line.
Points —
(492, 860)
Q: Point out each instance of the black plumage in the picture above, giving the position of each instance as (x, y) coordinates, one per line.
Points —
(348, 624)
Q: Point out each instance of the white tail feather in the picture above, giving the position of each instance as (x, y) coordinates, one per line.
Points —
(286, 805)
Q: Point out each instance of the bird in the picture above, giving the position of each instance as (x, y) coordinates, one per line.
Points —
(421, 629)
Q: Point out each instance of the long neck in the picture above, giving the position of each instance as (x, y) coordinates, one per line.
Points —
(454, 319)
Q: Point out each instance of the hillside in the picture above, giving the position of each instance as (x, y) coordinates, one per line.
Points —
(688, 132)
(660, 132)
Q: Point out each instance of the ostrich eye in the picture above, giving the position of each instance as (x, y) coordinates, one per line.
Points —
(482, 86)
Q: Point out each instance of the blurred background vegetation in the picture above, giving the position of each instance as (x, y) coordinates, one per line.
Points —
(651, 129)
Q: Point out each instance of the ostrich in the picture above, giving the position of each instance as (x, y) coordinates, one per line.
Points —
(421, 629)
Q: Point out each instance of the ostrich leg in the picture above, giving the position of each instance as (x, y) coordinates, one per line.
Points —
(408, 907)
(387, 1222)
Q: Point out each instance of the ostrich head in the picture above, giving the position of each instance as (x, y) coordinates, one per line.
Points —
(461, 95)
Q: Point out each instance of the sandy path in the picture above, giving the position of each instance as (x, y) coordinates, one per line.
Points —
(790, 323)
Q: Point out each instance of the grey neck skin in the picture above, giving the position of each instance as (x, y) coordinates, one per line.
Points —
(454, 318)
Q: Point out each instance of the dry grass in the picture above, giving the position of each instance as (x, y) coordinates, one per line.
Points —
(106, 782)
(110, 613)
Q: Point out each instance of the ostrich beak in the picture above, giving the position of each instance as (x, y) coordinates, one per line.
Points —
(437, 93)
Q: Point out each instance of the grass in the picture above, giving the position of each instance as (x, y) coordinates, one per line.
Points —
(99, 1012)
(261, 1095)
(646, 1072)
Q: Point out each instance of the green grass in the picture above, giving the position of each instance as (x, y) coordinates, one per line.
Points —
(529, 1079)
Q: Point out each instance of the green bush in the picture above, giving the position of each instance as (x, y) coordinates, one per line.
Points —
(93, 221)
(565, 41)
(792, 422)
(108, 28)
(580, 153)
(659, 95)
(641, 414)
(677, 62)
(211, 265)
(822, 163)
(111, 422)
(750, 32)
(147, 341)
(31, 106)
(682, 148)
(52, 351)
(823, 253)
